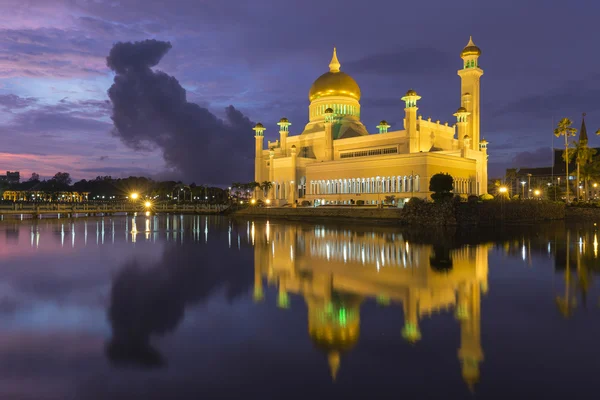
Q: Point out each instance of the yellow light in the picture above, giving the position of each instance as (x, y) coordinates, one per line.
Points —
(503, 189)
(134, 195)
(241, 202)
(253, 201)
(595, 185)
(268, 201)
(148, 204)
(537, 192)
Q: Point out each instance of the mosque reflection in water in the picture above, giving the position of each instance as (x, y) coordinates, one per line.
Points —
(336, 270)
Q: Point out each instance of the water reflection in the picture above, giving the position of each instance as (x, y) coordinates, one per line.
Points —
(150, 301)
(336, 270)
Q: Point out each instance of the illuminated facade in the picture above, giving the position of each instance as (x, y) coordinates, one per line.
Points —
(336, 270)
(336, 161)
(42, 196)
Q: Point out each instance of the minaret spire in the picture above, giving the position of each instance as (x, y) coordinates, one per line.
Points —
(470, 41)
(583, 137)
(334, 65)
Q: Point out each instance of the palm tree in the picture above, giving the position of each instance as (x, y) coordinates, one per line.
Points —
(565, 129)
(589, 172)
(584, 157)
(266, 186)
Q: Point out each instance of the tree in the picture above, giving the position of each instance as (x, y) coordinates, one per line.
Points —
(441, 185)
(589, 172)
(266, 186)
(584, 156)
(62, 178)
(35, 177)
(565, 129)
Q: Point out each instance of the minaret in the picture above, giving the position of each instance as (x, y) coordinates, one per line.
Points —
(259, 137)
(283, 134)
(383, 126)
(410, 120)
(272, 174)
(470, 353)
(411, 330)
(293, 183)
(469, 89)
(484, 173)
(329, 120)
(462, 125)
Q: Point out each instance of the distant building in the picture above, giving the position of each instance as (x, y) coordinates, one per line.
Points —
(542, 177)
(11, 177)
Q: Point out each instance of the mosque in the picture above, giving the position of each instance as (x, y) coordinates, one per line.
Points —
(335, 271)
(335, 160)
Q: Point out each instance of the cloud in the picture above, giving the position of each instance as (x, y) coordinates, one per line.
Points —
(571, 98)
(416, 60)
(541, 157)
(150, 110)
(103, 158)
(148, 301)
(10, 102)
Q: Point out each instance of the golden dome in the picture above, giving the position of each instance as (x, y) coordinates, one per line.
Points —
(334, 83)
(471, 49)
(461, 110)
(411, 93)
(383, 122)
(258, 126)
(284, 120)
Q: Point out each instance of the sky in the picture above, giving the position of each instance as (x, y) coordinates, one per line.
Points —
(261, 57)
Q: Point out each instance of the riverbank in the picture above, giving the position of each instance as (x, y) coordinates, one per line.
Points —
(423, 213)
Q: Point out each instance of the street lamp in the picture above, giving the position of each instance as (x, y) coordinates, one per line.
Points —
(134, 196)
(523, 185)
(537, 193)
(503, 189)
(148, 204)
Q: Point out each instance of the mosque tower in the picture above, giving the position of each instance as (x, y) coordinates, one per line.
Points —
(470, 353)
(469, 90)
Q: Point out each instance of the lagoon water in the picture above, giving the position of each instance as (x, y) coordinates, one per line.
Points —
(210, 307)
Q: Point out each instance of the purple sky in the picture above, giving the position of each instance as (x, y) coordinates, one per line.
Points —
(539, 58)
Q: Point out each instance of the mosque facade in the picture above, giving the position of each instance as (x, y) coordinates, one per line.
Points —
(335, 160)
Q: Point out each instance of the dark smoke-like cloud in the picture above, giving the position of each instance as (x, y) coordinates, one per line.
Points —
(146, 302)
(150, 110)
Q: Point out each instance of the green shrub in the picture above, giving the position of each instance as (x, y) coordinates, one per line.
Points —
(360, 202)
(486, 197)
(441, 185)
(305, 203)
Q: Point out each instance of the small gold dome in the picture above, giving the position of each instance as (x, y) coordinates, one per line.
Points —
(461, 110)
(284, 120)
(334, 83)
(466, 137)
(383, 122)
(484, 141)
(470, 49)
(258, 126)
(411, 93)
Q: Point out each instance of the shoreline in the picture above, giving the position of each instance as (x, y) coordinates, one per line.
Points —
(432, 214)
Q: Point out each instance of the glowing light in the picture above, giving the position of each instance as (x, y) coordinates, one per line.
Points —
(537, 192)
(134, 196)
(268, 201)
(253, 201)
(524, 253)
(148, 204)
(503, 189)
(595, 245)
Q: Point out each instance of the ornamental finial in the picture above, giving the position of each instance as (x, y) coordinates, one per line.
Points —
(334, 65)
